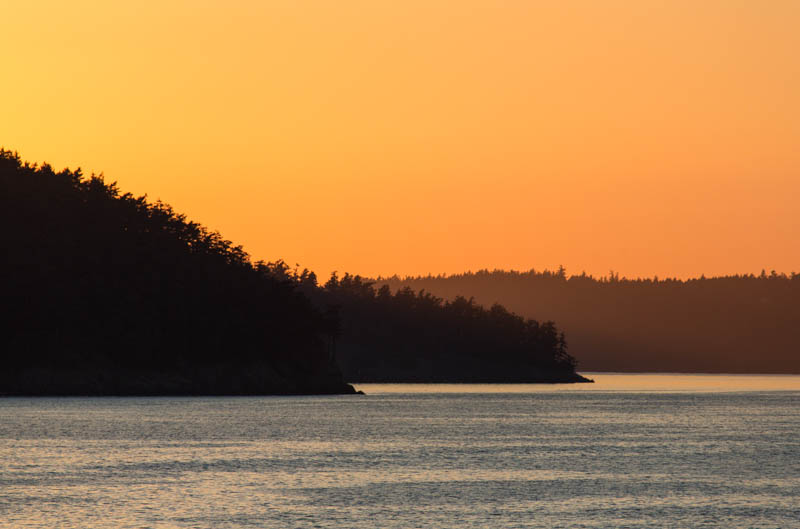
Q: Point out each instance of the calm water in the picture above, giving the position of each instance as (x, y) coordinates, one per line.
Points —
(628, 451)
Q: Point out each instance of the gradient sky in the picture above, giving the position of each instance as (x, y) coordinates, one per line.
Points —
(377, 137)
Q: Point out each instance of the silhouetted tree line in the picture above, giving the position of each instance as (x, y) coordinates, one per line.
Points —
(731, 324)
(105, 292)
(410, 336)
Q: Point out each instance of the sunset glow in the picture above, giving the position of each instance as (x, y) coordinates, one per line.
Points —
(651, 138)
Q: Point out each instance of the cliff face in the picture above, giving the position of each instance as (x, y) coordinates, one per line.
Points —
(104, 293)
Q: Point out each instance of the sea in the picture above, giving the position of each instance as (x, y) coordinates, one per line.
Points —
(630, 450)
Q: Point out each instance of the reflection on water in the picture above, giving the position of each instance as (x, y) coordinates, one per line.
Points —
(628, 451)
(647, 382)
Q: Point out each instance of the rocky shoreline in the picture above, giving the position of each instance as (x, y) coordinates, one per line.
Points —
(219, 381)
(537, 377)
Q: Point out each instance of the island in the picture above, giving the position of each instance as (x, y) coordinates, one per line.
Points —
(107, 293)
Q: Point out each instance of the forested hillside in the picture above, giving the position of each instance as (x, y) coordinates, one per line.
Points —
(734, 324)
(408, 336)
(107, 293)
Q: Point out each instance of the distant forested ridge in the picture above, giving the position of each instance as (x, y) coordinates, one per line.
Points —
(107, 293)
(732, 324)
(409, 336)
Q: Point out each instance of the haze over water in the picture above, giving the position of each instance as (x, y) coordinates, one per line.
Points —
(629, 450)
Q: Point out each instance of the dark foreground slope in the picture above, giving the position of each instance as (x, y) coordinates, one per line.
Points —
(736, 324)
(104, 293)
(416, 337)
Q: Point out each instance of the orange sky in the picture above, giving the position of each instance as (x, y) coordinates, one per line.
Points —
(648, 137)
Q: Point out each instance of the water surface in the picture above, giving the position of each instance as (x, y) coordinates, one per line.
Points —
(641, 382)
(627, 451)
